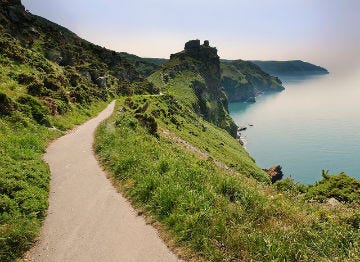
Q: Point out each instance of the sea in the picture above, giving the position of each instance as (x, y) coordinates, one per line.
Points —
(313, 125)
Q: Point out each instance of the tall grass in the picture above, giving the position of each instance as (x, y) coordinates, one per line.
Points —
(213, 214)
(24, 176)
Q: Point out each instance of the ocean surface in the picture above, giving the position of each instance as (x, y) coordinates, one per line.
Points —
(313, 125)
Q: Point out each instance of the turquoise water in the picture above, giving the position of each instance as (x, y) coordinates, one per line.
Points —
(313, 125)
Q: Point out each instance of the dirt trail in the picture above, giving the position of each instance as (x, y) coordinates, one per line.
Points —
(87, 219)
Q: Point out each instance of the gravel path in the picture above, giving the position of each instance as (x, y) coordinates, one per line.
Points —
(87, 219)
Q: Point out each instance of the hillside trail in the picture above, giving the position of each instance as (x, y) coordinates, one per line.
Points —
(88, 220)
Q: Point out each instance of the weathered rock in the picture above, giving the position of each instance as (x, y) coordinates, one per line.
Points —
(212, 103)
(333, 202)
(87, 75)
(192, 45)
(101, 82)
(275, 173)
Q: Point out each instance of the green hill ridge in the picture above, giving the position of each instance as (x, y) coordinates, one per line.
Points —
(290, 68)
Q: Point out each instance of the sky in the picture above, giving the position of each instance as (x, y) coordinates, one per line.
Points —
(324, 32)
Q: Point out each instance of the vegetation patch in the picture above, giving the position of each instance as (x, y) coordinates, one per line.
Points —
(208, 211)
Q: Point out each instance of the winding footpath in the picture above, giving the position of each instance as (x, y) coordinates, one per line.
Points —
(88, 220)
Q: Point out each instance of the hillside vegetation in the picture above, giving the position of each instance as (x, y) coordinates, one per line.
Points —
(198, 185)
(210, 212)
(170, 147)
(50, 80)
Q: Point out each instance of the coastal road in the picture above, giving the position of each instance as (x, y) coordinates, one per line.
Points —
(88, 220)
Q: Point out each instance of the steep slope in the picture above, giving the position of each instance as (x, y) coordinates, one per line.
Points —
(167, 160)
(243, 81)
(289, 68)
(105, 68)
(193, 76)
(50, 80)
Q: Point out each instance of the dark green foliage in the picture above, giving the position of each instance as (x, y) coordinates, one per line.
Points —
(55, 83)
(34, 108)
(341, 187)
(354, 220)
(26, 79)
(7, 106)
(149, 122)
(37, 89)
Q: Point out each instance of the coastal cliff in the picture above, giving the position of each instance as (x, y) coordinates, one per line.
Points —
(194, 77)
(243, 81)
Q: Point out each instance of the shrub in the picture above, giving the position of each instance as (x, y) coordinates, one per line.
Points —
(339, 186)
(149, 122)
(7, 106)
(289, 185)
(38, 111)
(37, 89)
(52, 83)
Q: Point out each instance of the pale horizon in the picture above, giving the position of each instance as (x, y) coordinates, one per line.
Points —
(321, 32)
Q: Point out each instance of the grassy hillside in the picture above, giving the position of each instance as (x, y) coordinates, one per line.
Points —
(294, 67)
(210, 212)
(243, 81)
(50, 80)
(168, 152)
(203, 191)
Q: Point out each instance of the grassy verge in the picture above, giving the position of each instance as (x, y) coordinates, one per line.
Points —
(24, 176)
(212, 214)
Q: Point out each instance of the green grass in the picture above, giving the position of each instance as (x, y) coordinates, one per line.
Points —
(37, 103)
(181, 120)
(210, 214)
(24, 176)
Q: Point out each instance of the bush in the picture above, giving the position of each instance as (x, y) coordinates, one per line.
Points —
(149, 122)
(37, 89)
(341, 187)
(7, 106)
(288, 185)
(38, 111)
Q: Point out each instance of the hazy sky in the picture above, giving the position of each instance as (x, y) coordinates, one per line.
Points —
(325, 32)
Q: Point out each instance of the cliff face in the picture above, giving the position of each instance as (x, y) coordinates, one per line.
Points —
(243, 81)
(196, 70)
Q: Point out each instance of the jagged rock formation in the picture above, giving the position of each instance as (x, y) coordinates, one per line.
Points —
(198, 68)
(275, 173)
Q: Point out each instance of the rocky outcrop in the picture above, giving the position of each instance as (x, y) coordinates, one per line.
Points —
(275, 173)
(202, 60)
